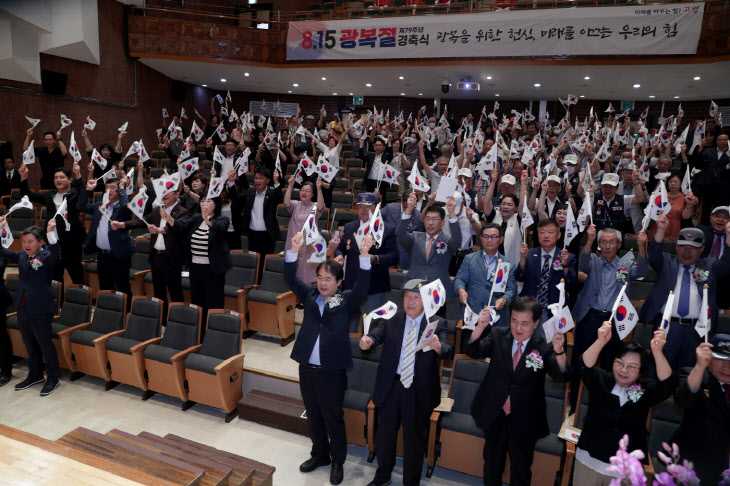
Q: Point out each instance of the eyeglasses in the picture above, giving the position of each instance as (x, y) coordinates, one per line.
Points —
(608, 243)
(327, 280)
(632, 367)
(432, 220)
(491, 237)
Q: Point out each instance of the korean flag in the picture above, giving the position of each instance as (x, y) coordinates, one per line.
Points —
(433, 296)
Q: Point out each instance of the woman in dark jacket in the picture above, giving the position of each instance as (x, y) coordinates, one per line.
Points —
(208, 256)
(619, 403)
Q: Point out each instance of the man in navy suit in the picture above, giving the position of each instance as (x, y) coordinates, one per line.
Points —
(114, 248)
(11, 178)
(510, 402)
(685, 274)
(542, 268)
(407, 385)
(381, 258)
(34, 301)
(713, 181)
(391, 215)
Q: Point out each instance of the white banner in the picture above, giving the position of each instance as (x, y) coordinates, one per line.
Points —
(632, 30)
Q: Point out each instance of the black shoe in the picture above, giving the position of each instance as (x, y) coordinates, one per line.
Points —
(5, 378)
(336, 473)
(49, 388)
(373, 483)
(313, 463)
(27, 383)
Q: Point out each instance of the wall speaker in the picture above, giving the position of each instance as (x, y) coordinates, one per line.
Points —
(53, 82)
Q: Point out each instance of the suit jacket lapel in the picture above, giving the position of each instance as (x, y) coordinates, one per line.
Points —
(483, 265)
(507, 349)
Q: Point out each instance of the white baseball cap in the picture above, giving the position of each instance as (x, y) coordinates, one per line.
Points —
(553, 178)
(570, 159)
(509, 179)
(465, 172)
(611, 179)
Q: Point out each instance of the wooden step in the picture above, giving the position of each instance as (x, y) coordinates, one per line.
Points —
(263, 475)
(215, 473)
(242, 476)
(91, 460)
(276, 411)
(133, 456)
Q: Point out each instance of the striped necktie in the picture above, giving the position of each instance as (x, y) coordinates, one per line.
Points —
(542, 286)
(507, 407)
(408, 358)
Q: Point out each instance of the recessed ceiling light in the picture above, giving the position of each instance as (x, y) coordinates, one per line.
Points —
(420, 94)
(489, 77)
(296, 85)
(205, 86)
(496, 94)
(289, 91)
(400, 77)
(676, 97)
(350, 94)
(587, 78)
(637, 86)
(652, 96)
(223, 80)
(324, 79)
(537, 85)
(582, 96)
(697, 78)
(334, 94)
(402, 94)
(368, 85)
(245, 74)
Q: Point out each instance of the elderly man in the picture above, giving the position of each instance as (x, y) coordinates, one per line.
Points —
(434, 177)
(608, 207)
(510, 402)
(685, 274)
(704, 394)
(713, 181)
(381, 258)
(626, 188)
(407, 385)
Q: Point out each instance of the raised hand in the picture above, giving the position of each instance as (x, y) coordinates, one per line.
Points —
(297, 242)
(117, 225)
(91, 185)
(658, 341)
(51, 225)
(558, 342)
(365, 343)
(591, 234)
(704, 355)
(604, 333)
(367, 243)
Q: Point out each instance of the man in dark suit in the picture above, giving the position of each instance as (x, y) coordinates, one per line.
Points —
(70, 241)
(407, 385)
(168, 251)
(114, 248)
(711, 184)
(383, 155)
(704, 394)
(11, 178)
(685, 274)
(510, 402)
(259, 211)
(381, 258)
(322, 349)
(34, 301)
(542, 268)
(392, 213)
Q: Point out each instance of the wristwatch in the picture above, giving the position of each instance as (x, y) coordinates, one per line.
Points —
(560, 353)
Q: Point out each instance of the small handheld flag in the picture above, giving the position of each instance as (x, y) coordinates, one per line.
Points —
(385, 311)
(29, 154)
(89, 124)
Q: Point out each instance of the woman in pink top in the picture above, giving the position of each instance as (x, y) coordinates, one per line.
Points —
(299, 211)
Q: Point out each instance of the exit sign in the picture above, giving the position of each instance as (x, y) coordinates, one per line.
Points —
(627, 105)
(357, 100)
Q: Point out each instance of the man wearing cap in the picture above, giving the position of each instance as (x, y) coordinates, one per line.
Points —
(381, 258)
(431, 250)
(509, 405)
(685, 274)
(714, 239)
(304, 141)
(551, 188)
(507, 185)
(608, 207)
(704, 394)
(407, 385)
(392, 213)
(474, 280)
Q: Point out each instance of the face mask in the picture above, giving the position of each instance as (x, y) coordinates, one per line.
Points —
(623, 161)
(571, 169)
(431, 125)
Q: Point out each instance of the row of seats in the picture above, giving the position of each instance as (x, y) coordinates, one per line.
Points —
(131, 348)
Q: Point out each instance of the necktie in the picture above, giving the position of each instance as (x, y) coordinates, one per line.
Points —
(10, 177)
(716, 246)
(542, 286)
(727, 393)
(507, 407)
(683, 305)
(428, 246)
(408, 358)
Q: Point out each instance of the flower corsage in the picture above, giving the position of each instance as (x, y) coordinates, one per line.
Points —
(534, 361)
(622, 274)
(36, 263)
(557, 265)
(334, 301)
(440, 247)
(635, 392)
(700, 276)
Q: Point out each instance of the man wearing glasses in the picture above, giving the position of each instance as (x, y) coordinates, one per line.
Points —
(473, 283)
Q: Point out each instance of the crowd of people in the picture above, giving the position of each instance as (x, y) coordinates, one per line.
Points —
(516, 218)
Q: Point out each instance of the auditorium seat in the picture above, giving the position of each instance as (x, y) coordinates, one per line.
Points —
(639, 291)
(282, 216)
(240, 279)
(140, 266)
(340, 184)
(77, 341)
(342, 200)
(16, 338)
(664, 420)
(20, 219)
(76, 309)
(549, 450)
(181, 337)
(454, 438)
(356, 173)
(323, 221)
(213, 373)
(124, 351)
(271, 304)
(579, 416)
(343, 217)
(358, 186)
(359, 417)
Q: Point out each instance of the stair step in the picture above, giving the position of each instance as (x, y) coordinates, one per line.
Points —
(215, 473)
(276, 411)
(133, 456)
(242, 475)
(263, 474)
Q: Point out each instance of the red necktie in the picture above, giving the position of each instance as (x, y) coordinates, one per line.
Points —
(716, 246)
(507, 407)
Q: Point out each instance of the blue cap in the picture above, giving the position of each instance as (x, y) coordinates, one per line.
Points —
(367, 199)
(720, 346)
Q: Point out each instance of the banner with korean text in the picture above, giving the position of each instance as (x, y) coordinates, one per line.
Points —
(595, 31)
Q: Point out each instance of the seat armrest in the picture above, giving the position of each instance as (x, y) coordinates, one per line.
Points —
(69, 330)
(286, 296)
(233, 361)
(568, 465)
(11, 314)
(142, 346)
(248, 288)
(184, 354)
(107, 337)
(570, 338)
(141, 273)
